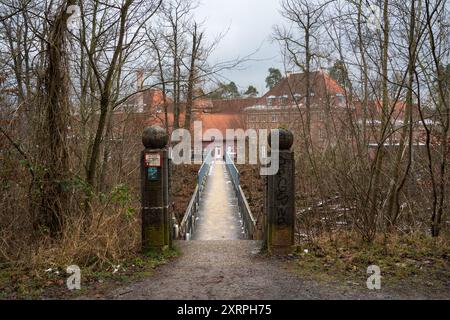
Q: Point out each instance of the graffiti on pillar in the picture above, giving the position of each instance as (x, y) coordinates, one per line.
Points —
(282, 196)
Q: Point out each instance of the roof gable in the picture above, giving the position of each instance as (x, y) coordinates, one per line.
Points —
(295, 84)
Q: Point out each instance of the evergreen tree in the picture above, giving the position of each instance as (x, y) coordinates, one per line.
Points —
(251, 91)
(273, 78)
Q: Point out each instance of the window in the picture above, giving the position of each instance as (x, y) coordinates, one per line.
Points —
(297, 97)
(287, 117)
(284, 117)
(252, 118)
(321, 115)
(322, 134)
(274, 118)
(138, 107)
(270, 100)
(340, 97)
(349, 135)
(311, 93)
(283, 99)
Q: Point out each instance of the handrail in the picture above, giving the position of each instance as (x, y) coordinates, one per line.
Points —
(232, 170)
(187, 225)
(188, 222)
(248, 221)
(204, 169)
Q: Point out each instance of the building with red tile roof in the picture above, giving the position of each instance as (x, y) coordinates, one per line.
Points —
(332, 115)
(285, 105)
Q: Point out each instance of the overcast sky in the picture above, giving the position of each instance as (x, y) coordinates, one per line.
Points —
(249, 24)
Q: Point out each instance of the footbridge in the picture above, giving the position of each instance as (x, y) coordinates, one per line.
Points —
(218, 209)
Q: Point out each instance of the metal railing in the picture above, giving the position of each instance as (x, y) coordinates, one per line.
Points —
(232, 171)
(248, 221)
(187, 225)
(203, 171)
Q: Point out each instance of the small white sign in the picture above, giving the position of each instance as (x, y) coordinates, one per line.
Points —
(153, 160)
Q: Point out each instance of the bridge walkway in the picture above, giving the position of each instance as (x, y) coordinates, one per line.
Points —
(218, 214)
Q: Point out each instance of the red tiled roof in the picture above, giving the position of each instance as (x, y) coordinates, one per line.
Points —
(221, 121)
(229, 106)
(295, 83)
(375, 109)
(332, 85)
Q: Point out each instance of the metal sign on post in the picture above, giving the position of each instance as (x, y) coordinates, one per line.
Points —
(153, 163)
(152, 174)
(153, 159)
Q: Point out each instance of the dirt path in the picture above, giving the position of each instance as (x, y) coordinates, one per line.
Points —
(236, 270)
(219, 265)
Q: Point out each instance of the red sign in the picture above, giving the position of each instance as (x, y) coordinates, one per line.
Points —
(153, 159)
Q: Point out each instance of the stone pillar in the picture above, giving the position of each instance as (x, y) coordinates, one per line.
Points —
(156, 230)
(280, 198)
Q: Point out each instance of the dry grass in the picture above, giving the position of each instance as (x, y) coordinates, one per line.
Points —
(111, 233)
(32, 266)
(109, 236)
(413, 259)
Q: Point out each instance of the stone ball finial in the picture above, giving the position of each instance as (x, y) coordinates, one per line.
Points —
(154, 137)
(286, 138)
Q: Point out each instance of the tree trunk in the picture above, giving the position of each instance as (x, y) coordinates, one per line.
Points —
(190, 90)
(54, 153)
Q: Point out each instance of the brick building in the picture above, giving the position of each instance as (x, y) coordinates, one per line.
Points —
(285, 105)
(333, 116)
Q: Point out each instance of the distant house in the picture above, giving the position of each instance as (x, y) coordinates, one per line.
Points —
(147, 108)
(333, 117)
(285, 105)
(223, 114)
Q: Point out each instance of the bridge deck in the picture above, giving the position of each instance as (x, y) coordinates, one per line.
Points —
(218, 216)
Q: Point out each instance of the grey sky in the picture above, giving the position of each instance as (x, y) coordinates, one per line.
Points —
(249, 24)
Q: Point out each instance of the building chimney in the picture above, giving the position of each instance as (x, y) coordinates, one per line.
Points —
(140, 79)
(140, 86)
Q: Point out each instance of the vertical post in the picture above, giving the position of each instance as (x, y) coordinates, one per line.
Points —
(280, 197)
(155, 190)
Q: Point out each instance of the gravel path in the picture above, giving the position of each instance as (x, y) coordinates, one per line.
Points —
(236, 270)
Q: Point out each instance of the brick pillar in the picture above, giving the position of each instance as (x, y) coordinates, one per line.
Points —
(155, 190)
(280, 198)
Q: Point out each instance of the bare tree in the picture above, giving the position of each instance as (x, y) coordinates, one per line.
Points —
(176, 13)
(105, 71)
(196, 43)
(436, 13)
(298, 40)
